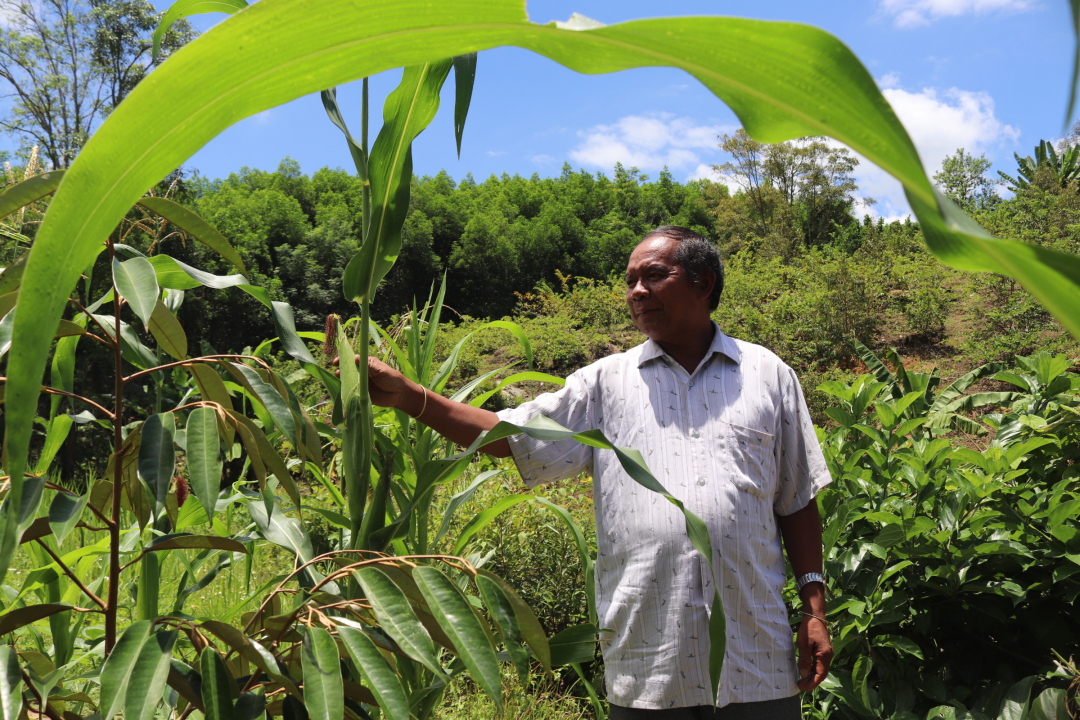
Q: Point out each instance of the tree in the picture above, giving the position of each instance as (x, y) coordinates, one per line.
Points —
(65, 65)
(963, 178)
(791, 191)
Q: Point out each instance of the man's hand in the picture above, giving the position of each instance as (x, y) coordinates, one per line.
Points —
(459, 422)
(387, 386)
(815, 652)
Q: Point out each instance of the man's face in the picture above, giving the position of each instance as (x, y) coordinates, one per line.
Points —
(663, 302)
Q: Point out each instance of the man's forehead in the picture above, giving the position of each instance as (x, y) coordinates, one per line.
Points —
(658, 248)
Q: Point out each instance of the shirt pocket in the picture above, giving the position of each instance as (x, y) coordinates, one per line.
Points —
(754, 454)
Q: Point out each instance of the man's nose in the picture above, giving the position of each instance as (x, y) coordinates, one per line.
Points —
(637, 291)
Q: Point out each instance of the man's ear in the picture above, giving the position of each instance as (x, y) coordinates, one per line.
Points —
(706, 282)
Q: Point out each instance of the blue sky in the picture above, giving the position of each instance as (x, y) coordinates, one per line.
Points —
(987, 75)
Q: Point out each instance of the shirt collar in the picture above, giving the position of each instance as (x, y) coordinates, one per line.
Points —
(721, 343)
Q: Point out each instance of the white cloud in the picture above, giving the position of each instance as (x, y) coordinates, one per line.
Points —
(939, 122)
(648, 143)
(889, 80)
(496, 153)
(912, 13)
(543, 159)
(264, 118)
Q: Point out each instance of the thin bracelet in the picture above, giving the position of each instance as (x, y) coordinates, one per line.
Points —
(816, 617)
(417, 415)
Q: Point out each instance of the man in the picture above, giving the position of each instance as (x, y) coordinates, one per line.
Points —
(724, 427)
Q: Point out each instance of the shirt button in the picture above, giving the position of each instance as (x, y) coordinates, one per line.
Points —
(695, 434)
(691, 383)
(701, 481)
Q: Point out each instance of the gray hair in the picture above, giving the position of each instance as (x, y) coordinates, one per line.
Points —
(694, 255)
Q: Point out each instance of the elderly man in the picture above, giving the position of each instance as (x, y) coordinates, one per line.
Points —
(723, 425)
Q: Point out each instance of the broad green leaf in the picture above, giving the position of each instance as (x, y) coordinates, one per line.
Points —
(131, 347)
(457, 619)
(218, 686)
(117, 670)
(860, 680)
(1050, 705)
(323, 690)
(137, 283)
(186, 8)
(531, 629)
(267, 394)
(148, 675)
(189, 542)
(175, 275)
(485, 516)
(1017, 699)
(11, 684)
(203, 452)
(251, 705)
(23, 193)
(408, 110)
(500, 608)
(188, 221)
(157, 458)
(396, 617)
(576, 644)
(384, 682)
(168, 332)
(64, 513)
(464, 77)
(17, 618)
(149, 587)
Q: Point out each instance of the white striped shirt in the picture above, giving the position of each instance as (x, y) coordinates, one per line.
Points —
(733, 441)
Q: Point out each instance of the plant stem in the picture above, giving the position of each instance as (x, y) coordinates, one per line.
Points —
(68, 571)
(113, 599)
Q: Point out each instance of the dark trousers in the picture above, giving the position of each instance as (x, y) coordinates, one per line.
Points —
(784, 709)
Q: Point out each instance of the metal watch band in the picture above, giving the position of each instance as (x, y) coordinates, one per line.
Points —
(807, 579)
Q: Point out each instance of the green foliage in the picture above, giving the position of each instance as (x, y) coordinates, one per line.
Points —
(963, 179)
(949, 564)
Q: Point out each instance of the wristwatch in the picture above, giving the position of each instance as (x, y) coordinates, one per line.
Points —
(807, 579)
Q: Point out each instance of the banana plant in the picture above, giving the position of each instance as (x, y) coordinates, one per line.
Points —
(1064, 168)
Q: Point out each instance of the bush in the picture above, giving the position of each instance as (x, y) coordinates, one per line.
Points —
(953, 572)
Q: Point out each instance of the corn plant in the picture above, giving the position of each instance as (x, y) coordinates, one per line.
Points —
(284, 656)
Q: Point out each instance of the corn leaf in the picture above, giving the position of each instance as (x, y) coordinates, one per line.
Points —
(23, 193)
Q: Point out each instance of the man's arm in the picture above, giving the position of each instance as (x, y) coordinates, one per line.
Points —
(801, 532)
(459, 422)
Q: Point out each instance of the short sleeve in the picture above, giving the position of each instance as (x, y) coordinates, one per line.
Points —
(802, 467)
(545, 461)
